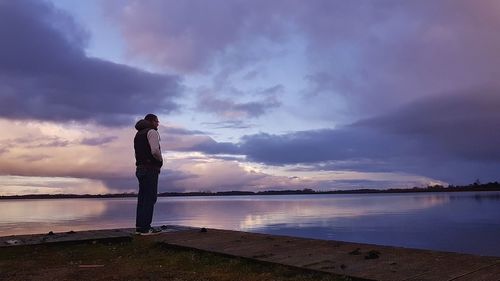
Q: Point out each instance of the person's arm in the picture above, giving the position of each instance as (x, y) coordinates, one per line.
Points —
(154, 143)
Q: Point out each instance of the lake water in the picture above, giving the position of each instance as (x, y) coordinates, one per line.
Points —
(464, 222)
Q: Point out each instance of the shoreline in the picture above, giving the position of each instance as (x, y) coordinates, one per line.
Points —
(494, 187)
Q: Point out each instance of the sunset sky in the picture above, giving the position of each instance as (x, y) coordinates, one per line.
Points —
(251, 95)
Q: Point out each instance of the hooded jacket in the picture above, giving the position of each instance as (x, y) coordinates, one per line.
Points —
(147, 146)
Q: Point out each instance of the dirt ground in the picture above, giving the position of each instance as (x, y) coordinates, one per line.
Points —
(140, 259)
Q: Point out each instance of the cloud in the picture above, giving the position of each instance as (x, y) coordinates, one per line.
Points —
(217, 174)
(450, 137)
(416, 83)
(316, 146)
(194, 161)
(16, 185)
(90, 154)
(394, 53)
(273, 90)
(229, 109)
(187, 36)
(103, 156)
(98, 140)
(181, 131)
(211, 146)
(45, 74)
(32, 141)
(229, 124)
(180, 139)
(463, 125)
(357, 53)
(361, 156)
(168, 181)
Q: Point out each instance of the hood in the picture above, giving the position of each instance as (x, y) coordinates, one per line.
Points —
(143, 124)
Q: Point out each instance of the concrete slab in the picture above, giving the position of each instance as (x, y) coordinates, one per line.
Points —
(489, 273)
(80, 236)
(68, 237)
(363, 261)
(342, 258)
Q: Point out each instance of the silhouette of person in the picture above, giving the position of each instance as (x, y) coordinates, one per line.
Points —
(148, 161)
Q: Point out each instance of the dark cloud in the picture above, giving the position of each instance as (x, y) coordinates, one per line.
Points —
(392, 53)
(228, 157)
(228, 108)
(210, 146)
(181, 131)
(355, 164)
(35, 142)
(45, 74)
(251, 75)
(53, 142)
(180, 139)
(463, 125)
(167, 182)
(318, 146)
(34, 157)
(367, 56)
(98, 140)
(231, 124)
(188, 35)
(453, 138)
(273, 90)
(371, 184)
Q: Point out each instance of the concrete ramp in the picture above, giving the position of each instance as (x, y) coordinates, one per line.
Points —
(363, 261)
(352, 259)
(124, 234)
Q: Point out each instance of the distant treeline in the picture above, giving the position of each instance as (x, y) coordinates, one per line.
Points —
(476, 186)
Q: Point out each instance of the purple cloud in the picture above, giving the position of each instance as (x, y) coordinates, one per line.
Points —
(230, 124)
(45, 74)
(210, 146)
(98, 140)
(379, 55)
(453, 138)
(168, 181)
(318, 146)
(464, 125)
(35, 142)
(181, 131)
(366, 151)
(187, 35)
(383, 53)
(227, 108)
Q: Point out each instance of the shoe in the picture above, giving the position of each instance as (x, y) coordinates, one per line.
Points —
(150, 231)
(167, 228)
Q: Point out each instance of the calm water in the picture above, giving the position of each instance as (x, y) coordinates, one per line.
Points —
(460, 222)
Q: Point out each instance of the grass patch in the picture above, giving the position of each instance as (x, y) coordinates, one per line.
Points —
(141, 259)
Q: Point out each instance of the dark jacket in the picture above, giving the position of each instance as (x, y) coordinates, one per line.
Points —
(143, 156)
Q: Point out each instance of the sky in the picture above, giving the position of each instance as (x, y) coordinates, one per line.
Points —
(251, 95)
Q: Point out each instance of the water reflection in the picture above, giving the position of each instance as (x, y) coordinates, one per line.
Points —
(26, 211)
(38, 216)
(441, 221)
(247, 213)
(494, 196)
(302, 213)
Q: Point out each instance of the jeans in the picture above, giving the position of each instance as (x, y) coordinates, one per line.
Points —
(148, 193)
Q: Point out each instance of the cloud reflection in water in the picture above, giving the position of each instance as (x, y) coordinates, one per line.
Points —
(460, 222)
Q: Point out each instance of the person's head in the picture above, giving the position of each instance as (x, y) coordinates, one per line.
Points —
(153, 119)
